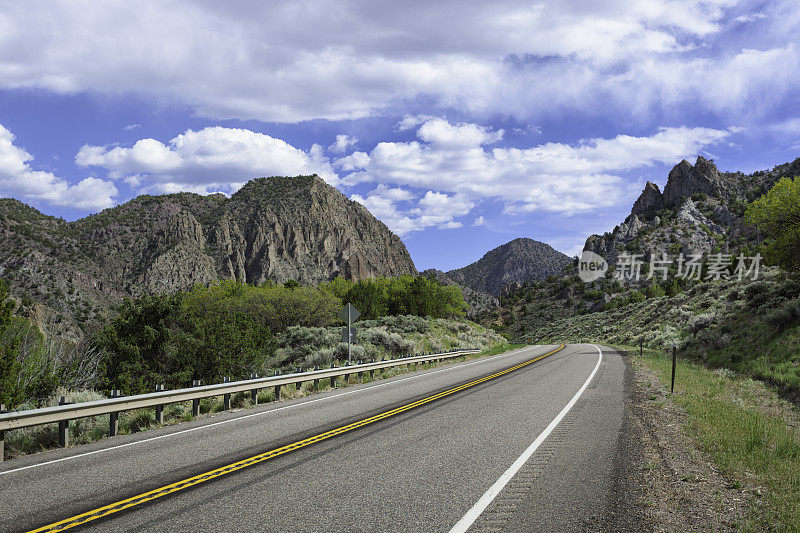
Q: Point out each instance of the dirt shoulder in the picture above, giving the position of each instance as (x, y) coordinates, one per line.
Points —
(679, 488)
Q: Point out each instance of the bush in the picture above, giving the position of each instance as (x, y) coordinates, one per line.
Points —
(785, 316)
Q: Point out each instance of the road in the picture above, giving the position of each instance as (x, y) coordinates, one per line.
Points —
(549, 438)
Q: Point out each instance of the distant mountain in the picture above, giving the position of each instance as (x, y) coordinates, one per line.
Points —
(275, 228)
(519, 261)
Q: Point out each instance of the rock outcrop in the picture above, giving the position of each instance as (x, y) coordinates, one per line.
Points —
(650, 200)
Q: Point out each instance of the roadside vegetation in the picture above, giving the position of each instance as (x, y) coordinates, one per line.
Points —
(750, 327)
(750, 433)
(229, 329)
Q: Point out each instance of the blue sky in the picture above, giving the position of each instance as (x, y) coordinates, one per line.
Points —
(460, 125)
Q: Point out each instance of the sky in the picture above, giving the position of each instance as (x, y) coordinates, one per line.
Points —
(460, 125)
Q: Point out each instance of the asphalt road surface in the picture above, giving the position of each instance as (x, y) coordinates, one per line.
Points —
(544, 447)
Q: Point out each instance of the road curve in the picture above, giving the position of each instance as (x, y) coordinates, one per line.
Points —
(421, 469)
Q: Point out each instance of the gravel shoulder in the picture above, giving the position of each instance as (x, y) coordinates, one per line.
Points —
(680, 487)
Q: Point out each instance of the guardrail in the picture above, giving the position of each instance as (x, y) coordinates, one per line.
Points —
(112, 406)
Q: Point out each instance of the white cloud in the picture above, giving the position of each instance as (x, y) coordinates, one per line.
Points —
(208, 160)
(131, 127)
(412, 121)
(434, 209)
(345, 59)
(440, 133)
(551, 177)
(19, 180)
(342, 143)
(480, 221)
(750, 17)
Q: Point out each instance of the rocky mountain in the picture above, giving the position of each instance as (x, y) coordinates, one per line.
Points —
(519, 261)
(277, 228)
(700, 211)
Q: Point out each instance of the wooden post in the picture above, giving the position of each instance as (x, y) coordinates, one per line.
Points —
(160, 408)
(2, 435)
(254, 392)
(674, 362)
(226, 398)
(63, 426)
(277, 392)
(196, 401)
(113, 418)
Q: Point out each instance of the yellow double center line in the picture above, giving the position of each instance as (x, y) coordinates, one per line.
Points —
(121, 505)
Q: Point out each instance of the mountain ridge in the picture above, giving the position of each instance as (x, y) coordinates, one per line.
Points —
(272, 229)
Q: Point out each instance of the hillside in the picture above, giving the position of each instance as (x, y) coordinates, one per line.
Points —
(277, 228)
(519, 261)
(700, 211)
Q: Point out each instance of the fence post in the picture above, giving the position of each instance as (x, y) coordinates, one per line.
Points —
(674, 360)
(63, 426)
(277, 392)
(254, 392)
(298, 385)
(641, 342)
(160, 408)
(113, 418)
(196, 401)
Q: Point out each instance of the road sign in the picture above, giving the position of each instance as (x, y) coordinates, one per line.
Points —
(349, 313)
(351, 337)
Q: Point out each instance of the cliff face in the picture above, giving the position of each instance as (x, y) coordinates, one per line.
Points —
(700, 211)
(518, 261)
(272, 229)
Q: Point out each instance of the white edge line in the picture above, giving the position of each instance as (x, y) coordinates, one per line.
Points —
(262, 413)
(468, 519)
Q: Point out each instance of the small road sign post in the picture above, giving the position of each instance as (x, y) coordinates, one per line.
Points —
(349, 314)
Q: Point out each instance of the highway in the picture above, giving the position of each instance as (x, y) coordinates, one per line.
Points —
(522, 441)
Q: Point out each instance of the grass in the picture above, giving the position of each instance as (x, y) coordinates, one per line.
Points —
(40, 438)
(731, 418)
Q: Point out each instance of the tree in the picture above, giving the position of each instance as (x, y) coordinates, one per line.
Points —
(777, 215)
(10, 365)
(655, 291)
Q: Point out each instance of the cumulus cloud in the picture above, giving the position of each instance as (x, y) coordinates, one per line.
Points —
(205, 161)
(19, 180)
(551, 177)
(394, 207)
(349, 60)
(342, 143)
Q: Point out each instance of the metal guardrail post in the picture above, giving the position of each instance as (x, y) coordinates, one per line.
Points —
(160, 408)
(316, 381)
(113, 418)
(63, 426)
(254, 392)
(226, 398)
(277, 392)
(196, 401)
